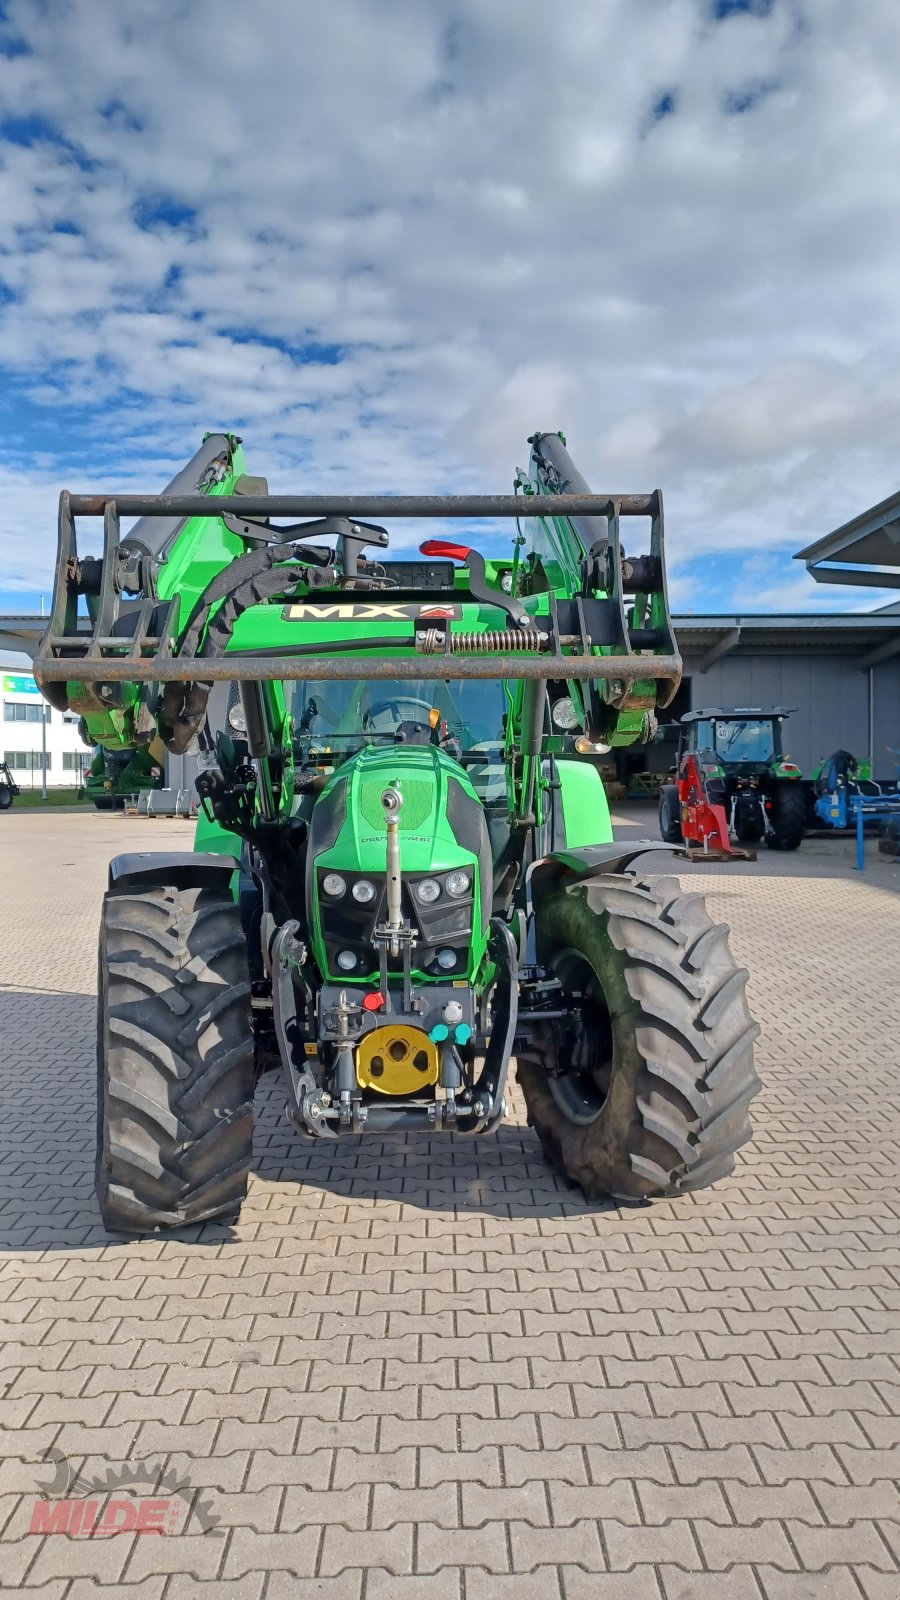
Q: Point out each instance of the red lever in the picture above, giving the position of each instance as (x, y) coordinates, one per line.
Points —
(440, 547)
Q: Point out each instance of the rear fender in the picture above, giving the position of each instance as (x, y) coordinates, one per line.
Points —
(581, 818)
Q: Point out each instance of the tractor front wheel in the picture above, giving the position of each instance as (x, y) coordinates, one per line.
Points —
(6, 797)
(644, 1091)
(174, 1059)
(787, 817)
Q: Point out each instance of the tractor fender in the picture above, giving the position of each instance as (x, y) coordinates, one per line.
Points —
(180, 869)
(577, 866)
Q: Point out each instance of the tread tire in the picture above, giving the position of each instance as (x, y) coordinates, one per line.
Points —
(682, 1072)
(788, 817)
(669, 814)
(175, 1072)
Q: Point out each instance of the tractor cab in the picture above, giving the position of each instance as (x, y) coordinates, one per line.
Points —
(745, 742)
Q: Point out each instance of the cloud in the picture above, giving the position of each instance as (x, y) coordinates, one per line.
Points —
(386, 243)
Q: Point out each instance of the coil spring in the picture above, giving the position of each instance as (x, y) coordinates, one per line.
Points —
(497, 640)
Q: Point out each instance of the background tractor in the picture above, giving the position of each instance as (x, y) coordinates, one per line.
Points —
(737, 758)
(404, 870)
(8, 787)
(115, 774)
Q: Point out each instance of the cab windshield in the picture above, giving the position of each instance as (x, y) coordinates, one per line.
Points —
(744, 741)
(343, 714)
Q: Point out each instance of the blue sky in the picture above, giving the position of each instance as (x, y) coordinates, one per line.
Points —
(385, 243)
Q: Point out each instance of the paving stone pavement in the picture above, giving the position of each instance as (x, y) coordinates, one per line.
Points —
(425, 1370)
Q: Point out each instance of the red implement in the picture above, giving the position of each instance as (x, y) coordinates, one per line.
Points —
(704, 825)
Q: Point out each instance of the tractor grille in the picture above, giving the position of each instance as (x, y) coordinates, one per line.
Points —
(418, 800)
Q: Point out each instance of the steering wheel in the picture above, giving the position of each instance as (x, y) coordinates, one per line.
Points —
(400, 710)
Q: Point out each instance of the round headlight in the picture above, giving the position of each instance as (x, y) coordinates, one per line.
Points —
(563, 714)
(446, 960)
(334, 884)
(236, 718)
(428, 891)
(458, 883)
(506, 582)
(346, 960)
(363, 891)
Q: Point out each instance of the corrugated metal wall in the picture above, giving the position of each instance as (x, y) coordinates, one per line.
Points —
(886, 700)
(831, 695)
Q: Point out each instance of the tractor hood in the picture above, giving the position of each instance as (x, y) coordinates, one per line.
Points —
(441, 830)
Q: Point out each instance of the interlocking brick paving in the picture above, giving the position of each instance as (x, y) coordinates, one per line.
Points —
(426, 1370)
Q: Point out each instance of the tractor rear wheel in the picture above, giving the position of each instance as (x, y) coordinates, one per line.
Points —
(749, 819)
(6, 797)
(788, 817)
(646, 1093)
(669, 814)
(174, 1059)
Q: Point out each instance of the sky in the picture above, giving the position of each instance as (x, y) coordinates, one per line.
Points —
(384, 241)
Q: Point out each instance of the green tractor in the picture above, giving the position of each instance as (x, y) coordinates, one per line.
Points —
(8, 787)
(745, 770)
(404, 873)
(115, 774)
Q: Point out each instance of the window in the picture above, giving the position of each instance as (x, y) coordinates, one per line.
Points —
(349, 712)
(28, 760)
(69, 716)
(745, 741)
(16, 711)
(76, 760)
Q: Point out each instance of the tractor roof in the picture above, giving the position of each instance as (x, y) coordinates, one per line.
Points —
(739, 713)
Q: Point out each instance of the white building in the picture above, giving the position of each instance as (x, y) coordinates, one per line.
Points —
(33, 736)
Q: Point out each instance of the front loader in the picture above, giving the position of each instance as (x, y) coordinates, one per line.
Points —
(404, 872)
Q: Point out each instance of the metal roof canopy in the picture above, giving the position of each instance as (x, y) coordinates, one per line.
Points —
(868, 546)
(869, 637)
(738, 713)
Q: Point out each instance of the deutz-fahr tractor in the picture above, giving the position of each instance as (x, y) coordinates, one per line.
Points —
(404, 873)
(114, 774)
(739, 755)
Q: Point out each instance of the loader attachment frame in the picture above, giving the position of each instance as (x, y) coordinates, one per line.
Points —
(134, 640)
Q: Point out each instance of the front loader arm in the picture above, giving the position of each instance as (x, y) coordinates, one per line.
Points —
(584, 554)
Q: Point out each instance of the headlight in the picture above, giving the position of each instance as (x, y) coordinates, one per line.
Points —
(346, 960)
(363, 891)
(446, 960)
(237, 719)
(428, 891)
(563, 714)
(458, 883)
(334, 885)
(506, 582)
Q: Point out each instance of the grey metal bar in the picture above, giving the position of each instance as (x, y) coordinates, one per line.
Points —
(358, 505)
(235, 667)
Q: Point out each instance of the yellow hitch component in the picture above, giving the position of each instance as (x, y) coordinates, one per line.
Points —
(396, 1060)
